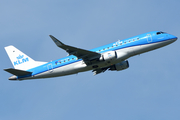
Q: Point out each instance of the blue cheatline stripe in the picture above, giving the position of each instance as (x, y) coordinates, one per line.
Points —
(105, 51)
(139, 42)
(57, 66)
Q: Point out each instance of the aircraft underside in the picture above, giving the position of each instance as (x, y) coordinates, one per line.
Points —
(80, 66)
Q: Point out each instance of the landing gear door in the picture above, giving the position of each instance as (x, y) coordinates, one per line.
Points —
(149, 38)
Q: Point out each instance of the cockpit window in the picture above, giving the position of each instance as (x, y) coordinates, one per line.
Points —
(163, 33)
(158, 33)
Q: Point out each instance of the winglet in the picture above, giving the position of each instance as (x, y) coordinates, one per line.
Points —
(56, 41)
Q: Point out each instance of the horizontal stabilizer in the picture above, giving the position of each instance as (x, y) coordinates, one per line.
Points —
(17, 72)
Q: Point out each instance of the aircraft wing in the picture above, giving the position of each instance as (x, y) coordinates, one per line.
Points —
(78, 52)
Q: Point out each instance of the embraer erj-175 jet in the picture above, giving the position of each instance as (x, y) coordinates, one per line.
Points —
(109, 57)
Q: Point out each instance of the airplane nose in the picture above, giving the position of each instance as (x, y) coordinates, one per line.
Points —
(173, 38)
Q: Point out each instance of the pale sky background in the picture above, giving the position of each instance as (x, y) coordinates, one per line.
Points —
(148, 90)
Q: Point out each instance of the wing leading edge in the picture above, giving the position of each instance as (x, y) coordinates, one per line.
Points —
(78, 52)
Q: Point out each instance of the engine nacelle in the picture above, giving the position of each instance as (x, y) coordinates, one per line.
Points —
(108, 56)
(120, 66)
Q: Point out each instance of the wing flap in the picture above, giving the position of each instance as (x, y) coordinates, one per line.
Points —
(18, 72)
(100, 70)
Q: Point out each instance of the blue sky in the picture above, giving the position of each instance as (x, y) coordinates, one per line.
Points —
(148, 89)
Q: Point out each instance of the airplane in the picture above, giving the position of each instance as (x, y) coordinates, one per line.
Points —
(112, 57)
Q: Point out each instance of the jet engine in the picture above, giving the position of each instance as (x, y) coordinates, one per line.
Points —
(120, 66)
(108, 56)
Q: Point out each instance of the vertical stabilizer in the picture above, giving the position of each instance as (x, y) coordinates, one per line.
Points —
(20, 60)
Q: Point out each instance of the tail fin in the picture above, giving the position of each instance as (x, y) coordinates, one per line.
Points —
(20, 60)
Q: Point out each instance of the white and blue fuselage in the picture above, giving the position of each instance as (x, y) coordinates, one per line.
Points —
(109, 57)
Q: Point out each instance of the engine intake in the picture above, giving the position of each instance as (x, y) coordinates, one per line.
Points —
(120, 66)
(108, 56)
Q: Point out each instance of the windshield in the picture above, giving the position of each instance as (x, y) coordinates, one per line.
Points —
(158, 33)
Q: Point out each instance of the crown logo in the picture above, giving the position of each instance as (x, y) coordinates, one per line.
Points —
(20, 57)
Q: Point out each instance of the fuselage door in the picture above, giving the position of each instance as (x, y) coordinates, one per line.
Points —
(50, 67)
(149, 38)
